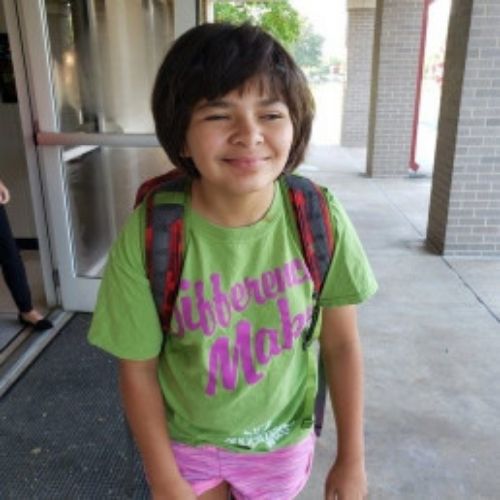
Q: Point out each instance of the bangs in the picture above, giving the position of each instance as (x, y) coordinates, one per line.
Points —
(266, 86)
(227, 63)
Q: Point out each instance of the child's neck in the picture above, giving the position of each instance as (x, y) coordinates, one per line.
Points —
(231, 210)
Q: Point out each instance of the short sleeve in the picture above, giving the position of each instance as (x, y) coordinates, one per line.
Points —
(125, 321)
(350, 279)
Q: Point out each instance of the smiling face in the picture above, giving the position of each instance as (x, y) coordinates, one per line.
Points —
(240, 142)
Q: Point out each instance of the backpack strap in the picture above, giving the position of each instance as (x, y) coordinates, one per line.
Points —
(316, 233)
(315, 229)
(149, 186)
(164, 231)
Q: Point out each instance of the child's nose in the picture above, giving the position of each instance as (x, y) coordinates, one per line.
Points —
(247, 132)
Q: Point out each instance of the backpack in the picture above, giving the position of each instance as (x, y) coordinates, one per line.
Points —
(164, 231)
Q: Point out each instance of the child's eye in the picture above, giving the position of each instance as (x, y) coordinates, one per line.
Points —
(272, 116)
(216, 117)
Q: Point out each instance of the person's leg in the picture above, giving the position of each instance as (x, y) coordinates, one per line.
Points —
(13, 267)
(199, 466)
(220, 492)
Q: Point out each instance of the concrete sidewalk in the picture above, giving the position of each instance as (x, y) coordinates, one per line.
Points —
(431, 339)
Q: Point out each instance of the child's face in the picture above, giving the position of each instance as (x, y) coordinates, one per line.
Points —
(240, 143)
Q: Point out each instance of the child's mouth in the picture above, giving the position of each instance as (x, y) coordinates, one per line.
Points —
(245, 162)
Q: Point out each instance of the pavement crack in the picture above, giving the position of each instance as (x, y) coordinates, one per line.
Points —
(488, 309)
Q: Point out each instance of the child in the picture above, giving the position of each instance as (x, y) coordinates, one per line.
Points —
(219, 405)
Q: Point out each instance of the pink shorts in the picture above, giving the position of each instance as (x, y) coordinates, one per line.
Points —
(278, 475)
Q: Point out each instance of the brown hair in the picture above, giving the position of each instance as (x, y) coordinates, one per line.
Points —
(209, 61)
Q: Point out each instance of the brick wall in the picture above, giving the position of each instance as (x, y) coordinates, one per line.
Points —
(395, 67)
(357, 90)
(464, 217)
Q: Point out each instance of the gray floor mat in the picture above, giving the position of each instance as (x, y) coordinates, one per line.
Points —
(62, 434)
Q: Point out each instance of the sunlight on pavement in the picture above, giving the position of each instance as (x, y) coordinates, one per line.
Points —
(326, 127)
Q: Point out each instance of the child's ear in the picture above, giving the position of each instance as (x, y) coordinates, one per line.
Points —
(185, 153)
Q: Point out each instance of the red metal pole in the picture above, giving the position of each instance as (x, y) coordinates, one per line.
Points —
(416, 112)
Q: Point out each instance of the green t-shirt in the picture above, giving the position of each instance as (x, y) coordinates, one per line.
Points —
(233, 371)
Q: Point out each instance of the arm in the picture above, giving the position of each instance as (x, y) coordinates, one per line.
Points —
(342, 358)
(144, 408)
(4, 194)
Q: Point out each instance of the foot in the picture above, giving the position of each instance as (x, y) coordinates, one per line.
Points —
(35, 319)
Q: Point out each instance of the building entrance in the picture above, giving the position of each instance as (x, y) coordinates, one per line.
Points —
(90, 67)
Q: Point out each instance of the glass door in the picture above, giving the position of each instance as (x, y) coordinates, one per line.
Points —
(91, 67)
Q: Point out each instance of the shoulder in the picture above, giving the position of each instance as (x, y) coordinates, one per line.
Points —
(350, 279)
(128, 248)
(173, 182)
(315, 191)
(337, 212)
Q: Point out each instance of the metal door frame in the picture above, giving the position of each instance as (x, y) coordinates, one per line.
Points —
(27, 24)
